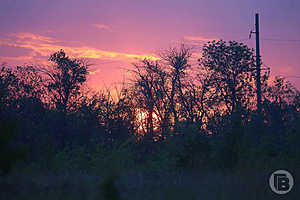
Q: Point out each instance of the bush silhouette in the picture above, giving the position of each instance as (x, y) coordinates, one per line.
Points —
(108, 188)
(9, 155)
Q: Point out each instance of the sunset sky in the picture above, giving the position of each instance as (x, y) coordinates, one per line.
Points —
(113, 34)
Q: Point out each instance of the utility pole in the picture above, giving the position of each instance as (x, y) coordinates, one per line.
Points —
(258, 64)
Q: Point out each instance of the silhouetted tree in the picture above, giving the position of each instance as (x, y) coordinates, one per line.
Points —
(8, 86)
(64, 79)
(177, 65)
(280, 106)
(228, 75)
(144, 89)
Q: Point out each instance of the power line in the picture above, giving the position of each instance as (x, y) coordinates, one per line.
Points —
(280, 40)
(243, 39)
(290, 76)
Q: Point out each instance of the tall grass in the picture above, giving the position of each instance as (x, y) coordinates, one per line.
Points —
(115, 172)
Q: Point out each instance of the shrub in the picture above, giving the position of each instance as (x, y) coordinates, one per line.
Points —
(9, 155)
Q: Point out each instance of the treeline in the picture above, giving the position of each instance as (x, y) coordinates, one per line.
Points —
(202, 114)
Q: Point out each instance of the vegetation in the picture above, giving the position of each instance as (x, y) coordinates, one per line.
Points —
(172, 132)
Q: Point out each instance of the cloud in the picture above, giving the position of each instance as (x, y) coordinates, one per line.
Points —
(199, 38)
(196, 42)
(31, 36)
(196, 55)
(42, 46)
(15, 58)
(103, 27)
(94, 72)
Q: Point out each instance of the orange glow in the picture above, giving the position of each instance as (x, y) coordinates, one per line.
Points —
(142, 120)
(143, 115)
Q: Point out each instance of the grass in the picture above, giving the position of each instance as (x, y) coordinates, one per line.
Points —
(115, 174)
(135, 184)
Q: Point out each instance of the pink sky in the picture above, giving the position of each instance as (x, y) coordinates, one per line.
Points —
(114, 34)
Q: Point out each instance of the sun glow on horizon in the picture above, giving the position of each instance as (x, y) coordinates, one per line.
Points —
(142, 120)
